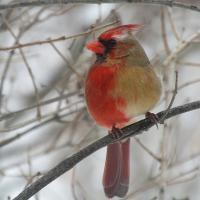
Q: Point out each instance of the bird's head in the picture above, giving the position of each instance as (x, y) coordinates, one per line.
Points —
(108, 39)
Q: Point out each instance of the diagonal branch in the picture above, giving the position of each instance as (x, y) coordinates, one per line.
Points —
(170, 3)
(57, 39)
(128, 131)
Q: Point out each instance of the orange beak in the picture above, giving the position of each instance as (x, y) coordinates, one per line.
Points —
(96, 47)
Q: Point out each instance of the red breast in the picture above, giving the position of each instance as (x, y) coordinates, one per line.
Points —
(104, 108)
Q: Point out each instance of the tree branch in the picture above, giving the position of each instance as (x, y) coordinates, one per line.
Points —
(128, 131)
(53, 40)
(170, 3)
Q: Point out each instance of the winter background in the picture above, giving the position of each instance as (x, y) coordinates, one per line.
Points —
(43, 116)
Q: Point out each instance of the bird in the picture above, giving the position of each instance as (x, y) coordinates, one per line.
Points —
(119, 86)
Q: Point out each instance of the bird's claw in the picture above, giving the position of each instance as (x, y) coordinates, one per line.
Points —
(116, 132)
(153, 118)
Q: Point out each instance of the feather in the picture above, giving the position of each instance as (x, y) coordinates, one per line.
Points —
(114, 32)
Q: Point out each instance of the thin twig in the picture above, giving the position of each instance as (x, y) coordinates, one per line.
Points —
(173, 25)
(43, 103)
(189, 83)
(155, 182)
(33, 81)
(191, 64)
(182, 45)
(46, 121)
(3, 78)
(7, 66)
(163, 31)
(58, 39)
(148, 150)
(66, 61)
(28, 68)
(173, 98)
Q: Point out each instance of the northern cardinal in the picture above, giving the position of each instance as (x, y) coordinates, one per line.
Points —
(120, 85)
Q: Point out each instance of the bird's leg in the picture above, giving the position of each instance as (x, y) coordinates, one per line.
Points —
(116, 132)
(152, 117)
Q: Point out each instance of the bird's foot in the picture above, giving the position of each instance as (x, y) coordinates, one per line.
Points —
(116, 132)
(152, 117)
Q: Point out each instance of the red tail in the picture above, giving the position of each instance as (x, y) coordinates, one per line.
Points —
(116, 171)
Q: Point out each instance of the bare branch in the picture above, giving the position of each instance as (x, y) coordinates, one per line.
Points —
(173, 25)
(66, 61)
(173, 98)
(153, 155)
(183, 44)
(28, 68)
(58, 39)
(43, 103)
(51, 118)
(170, 3)
(131, 130)
(163, 31)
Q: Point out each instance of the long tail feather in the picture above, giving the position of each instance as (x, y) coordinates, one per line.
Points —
(125, 169)
(116, 171)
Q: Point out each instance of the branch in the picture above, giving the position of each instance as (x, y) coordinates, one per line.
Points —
(128, 131)
(42, 103)
(170, 3)
(58, 39)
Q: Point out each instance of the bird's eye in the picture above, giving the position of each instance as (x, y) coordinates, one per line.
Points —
(109, 43)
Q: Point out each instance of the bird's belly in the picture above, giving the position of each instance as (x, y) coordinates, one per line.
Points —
(105, 109)
(140, 88)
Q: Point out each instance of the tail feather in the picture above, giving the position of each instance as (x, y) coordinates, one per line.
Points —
(125, 169)
(116, 171)
(112, 169)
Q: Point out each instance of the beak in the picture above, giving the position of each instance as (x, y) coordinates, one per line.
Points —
(96, 47)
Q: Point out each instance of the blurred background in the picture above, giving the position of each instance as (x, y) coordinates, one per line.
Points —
(43, 116)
